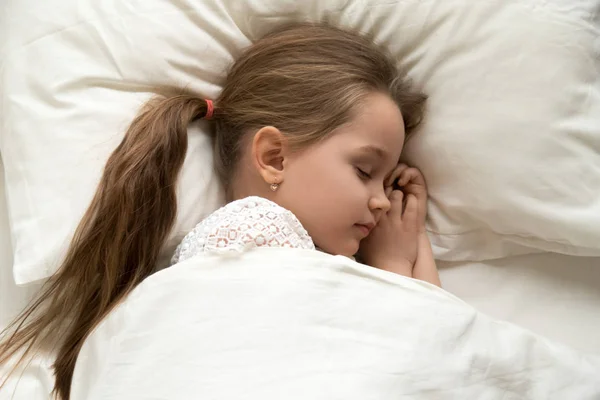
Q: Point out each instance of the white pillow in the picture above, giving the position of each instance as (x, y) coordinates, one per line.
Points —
(509, 148)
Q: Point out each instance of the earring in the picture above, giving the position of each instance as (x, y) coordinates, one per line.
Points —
(274, 186)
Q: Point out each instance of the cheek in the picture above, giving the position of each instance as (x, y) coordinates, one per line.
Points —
(328, 198)
(326, 191)
(319, 180)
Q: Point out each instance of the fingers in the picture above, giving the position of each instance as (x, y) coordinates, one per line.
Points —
(404, 175)
(411, 213)
(411, 175)
(396, 200)
(404, 207)
(400, 168)
(388, 191)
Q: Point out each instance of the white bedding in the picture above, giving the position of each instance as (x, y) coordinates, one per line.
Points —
(297, 324)
(552, 295)
(35, 383)
(12, 297)
(500, 75)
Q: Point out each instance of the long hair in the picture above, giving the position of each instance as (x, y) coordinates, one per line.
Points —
(304, 79)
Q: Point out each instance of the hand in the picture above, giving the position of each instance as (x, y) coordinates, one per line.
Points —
(393, 243)
(412, 182)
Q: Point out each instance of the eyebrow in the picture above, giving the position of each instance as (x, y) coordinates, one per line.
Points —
(370, 149)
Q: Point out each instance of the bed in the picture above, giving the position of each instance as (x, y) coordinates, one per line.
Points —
(527, 254)
(553, 295)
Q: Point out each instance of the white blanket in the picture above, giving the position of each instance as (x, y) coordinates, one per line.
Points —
(297, 324)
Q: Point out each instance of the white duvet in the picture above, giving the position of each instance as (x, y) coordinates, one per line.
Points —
(297, 324)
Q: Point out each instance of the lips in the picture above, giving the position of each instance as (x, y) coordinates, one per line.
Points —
(366, 228)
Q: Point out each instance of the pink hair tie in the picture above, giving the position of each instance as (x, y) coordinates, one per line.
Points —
(209, 109)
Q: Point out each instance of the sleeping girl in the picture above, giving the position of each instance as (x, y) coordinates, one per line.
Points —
(308, 132)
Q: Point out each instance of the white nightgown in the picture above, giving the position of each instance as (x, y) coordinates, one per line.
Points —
(241, 225)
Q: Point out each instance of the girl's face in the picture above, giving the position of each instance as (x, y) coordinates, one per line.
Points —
(336, 187)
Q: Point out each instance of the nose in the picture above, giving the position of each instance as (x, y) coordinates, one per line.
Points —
(379, 204)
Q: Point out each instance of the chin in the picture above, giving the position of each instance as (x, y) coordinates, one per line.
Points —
(348, 249)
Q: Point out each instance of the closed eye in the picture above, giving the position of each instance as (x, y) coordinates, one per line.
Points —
(363, 174)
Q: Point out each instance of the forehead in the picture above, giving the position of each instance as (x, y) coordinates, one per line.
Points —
(377, 123)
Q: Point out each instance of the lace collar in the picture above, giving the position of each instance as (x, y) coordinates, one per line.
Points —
(244, 224)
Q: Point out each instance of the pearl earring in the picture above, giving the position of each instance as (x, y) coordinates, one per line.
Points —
(274, 186)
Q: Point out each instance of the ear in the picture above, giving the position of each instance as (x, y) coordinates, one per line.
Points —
(269, 150)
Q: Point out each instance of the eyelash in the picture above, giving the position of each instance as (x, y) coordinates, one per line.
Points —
(363, 174)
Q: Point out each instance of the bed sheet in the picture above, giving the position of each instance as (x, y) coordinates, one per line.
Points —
(36, 382)
(6, 284)
(553, 295)
(12, 297)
